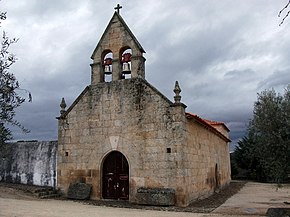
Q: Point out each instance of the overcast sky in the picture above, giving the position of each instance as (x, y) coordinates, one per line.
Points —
(222, 53)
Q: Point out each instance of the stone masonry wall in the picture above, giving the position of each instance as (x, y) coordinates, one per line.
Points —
(32, 163)
(129, 116)
(163, 148)
(208, 164)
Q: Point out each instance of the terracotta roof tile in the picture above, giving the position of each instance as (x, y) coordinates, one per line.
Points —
(209, 124)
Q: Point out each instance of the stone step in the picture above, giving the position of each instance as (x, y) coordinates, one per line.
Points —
(43, 189)
(50, 196)
(46, 192)
(43, 193)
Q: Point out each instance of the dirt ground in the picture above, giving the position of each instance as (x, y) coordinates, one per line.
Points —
(19, 191)
(239, 199)
(256, 198)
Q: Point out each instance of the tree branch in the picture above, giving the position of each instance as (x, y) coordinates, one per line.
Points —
(280, 12)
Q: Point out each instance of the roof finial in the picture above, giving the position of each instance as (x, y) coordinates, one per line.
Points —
(177, 91)
(62, 106)
(118, 8)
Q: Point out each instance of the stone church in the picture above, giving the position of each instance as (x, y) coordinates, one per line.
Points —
(129, 141)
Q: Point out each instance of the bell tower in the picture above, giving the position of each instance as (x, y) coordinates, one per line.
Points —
(118, 54)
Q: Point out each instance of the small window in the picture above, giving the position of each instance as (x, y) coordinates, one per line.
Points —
(168, 150)
(66, 153)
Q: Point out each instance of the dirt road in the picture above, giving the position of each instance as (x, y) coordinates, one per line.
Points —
(251, 201)
(256, 198)
(55, 208)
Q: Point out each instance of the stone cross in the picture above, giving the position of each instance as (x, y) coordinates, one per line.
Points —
(118, 8)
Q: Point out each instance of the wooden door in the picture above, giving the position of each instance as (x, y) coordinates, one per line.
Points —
(116, 177)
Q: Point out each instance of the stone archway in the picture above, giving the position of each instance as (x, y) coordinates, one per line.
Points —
(115, 180)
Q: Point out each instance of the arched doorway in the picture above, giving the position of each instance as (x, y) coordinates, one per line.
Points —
(115, 177)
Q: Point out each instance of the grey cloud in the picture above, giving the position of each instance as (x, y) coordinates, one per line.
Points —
(222, 53)
(280, 78)
(40, 118)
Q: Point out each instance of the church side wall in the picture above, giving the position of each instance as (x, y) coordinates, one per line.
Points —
(208, 163)
(127, 116)
(32, 163)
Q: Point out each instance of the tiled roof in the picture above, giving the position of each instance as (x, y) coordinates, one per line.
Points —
(213, 123)
(209, 125)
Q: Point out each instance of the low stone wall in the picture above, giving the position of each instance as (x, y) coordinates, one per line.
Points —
(32, 163)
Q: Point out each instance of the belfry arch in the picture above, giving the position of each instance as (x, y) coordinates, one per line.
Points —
(107, 65)
(125, 62)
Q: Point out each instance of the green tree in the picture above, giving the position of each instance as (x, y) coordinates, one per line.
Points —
(246, 159)
(266, 148)
(270, 127)
(9, 88)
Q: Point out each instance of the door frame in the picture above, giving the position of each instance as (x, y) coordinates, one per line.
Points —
(102, 173)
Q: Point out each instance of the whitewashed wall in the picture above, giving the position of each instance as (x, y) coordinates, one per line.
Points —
(31, 163)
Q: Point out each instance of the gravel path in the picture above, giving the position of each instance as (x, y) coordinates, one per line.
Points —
(55, 208)
(255, 199)
(252, 200)
(17, 191)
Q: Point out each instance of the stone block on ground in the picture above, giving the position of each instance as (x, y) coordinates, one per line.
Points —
(79, 191)
(156, 196)
(278, 212)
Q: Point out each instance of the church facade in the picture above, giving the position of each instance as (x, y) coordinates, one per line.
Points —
(121, 135)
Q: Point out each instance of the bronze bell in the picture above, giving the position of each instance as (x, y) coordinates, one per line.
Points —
(107, 66)
(107, 70)
(126, 68)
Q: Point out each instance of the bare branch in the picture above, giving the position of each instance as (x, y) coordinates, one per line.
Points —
(280, 12)
(284, 18)
(286, 6)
